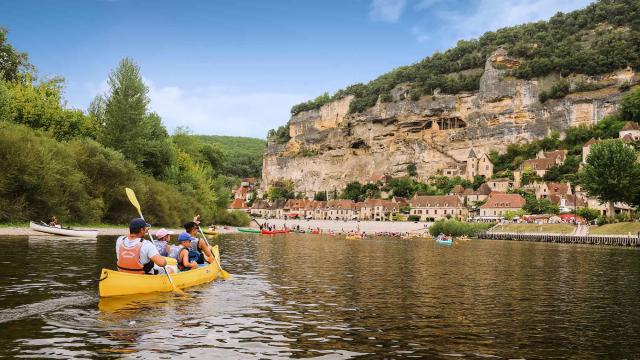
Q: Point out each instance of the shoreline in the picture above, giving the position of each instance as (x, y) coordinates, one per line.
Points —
(102, 231)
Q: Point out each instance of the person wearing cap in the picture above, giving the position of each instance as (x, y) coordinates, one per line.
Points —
(135, 254)
(198, 245)
(186, 256)
(163, 237)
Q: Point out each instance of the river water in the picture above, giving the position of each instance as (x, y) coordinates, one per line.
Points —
(300, 296)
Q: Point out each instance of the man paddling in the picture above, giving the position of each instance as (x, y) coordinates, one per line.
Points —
(201, 246)
(135, 254)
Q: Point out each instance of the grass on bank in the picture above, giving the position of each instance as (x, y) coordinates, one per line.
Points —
(623, 228)
(535, 228)
(457, 228)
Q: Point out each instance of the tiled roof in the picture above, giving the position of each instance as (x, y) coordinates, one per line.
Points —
(628, 138)
(561, 154)
(238, 204)
(569, 200)
(630, 125)
(260, 204)
(484, 189)
(591, 142)
(538, 164)
(436, 201)
(501, 200)
(556, 188)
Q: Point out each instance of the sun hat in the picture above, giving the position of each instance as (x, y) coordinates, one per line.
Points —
(162, 233)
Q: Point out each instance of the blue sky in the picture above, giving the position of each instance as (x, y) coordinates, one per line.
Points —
(237, 67)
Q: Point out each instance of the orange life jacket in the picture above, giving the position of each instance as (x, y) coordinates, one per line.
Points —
(129, 259)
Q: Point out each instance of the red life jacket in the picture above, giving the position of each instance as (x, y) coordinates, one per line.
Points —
(129, 259)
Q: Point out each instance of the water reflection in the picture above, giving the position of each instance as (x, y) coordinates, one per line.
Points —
(312, 296)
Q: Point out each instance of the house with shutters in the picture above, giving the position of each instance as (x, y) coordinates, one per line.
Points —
(434, 207)
(498, 204)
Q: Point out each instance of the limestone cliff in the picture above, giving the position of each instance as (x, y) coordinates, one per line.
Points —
(330, 148)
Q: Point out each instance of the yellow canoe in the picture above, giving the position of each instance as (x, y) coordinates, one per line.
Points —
(115, 283)
(353, 237)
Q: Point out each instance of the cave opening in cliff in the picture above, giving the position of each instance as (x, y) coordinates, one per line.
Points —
(450, 123)
(358, 144)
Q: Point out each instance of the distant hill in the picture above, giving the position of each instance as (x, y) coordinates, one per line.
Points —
(243, 155)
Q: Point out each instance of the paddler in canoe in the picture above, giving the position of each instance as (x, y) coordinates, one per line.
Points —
(187, 257)
(135, 254)
(200, 245)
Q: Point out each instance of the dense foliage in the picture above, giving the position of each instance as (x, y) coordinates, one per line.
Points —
(603, 37)
(75, 165)
(457, 228)
(242, 157)
(279, 135)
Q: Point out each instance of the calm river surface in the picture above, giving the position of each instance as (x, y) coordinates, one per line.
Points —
(315, 296)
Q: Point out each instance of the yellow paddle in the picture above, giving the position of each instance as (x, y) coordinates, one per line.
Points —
(216, 256)
(134, 201)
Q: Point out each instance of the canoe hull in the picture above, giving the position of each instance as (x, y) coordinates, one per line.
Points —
(254, 231)
(273, 232)
(116, 283)
(444, 242)
(89, 234)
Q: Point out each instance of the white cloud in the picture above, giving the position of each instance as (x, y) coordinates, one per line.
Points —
(219, 110)
(420, 34)
(495, 14)
(386, 10)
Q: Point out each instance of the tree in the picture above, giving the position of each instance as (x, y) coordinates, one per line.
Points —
(352, 191)
(611, 173)
(588, 214)
(630, 105)
(320, 196)
(7, 111)
(12, 62)
(412, 170)
(542, 206)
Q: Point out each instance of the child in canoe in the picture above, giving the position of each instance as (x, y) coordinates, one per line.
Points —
(186, 256)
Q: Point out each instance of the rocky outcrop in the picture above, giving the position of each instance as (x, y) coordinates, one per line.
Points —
(330, 148)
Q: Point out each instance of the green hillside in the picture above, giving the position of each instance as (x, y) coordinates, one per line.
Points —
(242, 155)
(603, 37)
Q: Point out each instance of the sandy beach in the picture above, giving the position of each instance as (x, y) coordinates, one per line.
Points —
(369, 227)
(108, 231)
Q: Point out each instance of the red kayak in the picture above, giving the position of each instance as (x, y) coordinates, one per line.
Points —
(272, 232)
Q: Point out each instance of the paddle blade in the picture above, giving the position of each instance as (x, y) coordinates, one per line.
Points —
(216, 255)
(133, 199)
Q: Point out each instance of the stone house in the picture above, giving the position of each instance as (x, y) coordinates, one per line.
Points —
(498, 204)
(378, 210)
(479, 195)
(340, 210)
(568, 202)
(544, 161)
(630, 132)
(500, 185)
(260, 208)
(478, 165)
(547, 189)
(238, 204)
(434, 207)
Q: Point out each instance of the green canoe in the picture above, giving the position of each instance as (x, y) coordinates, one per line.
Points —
(243, 230)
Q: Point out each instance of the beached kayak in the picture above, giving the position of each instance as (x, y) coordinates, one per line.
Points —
(444, 242)
(91, 234)
(353, 237)
(209, 232)
(247, 230)
(272, 232)
(115, 283)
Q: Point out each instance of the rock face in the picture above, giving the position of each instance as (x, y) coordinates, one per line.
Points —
(330, 148)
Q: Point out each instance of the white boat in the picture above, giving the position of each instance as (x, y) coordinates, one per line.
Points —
(92, 234)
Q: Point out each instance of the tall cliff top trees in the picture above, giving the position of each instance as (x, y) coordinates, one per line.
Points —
(12, 62)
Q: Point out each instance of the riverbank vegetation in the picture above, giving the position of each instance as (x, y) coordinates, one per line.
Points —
(74, 164)
(601, 38)
(457, 228)
(621, 228)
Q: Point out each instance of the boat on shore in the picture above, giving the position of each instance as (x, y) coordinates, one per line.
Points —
(117, 283)
(53, 230)
(249, 230)
(444, 242)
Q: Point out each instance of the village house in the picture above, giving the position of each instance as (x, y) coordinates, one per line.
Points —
(544, 161)
(547, 189)
(475, 165)
(568, 202)
(630, 132)
(498, 204)
(245, 190)
(238, 204)
(478, 195)
(260, 208)
(500, 184)
(434, 207)
(340, 210)
(378, 210)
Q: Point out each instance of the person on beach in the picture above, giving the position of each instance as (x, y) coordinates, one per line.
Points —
(163, 238)
(135, 254)
(186, 257)
(54, 221)
(199, 245)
